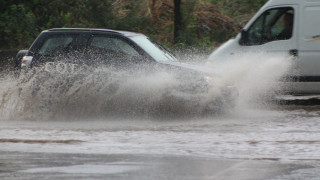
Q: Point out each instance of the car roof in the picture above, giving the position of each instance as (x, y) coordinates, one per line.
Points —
(120, 32)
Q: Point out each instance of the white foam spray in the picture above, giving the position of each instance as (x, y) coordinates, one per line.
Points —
(97, 93)
(39, 95)
(256, 75)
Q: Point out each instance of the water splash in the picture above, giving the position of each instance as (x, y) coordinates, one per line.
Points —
(101, 92)
(256, 75)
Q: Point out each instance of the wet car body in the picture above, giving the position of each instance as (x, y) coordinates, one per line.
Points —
(76, 50)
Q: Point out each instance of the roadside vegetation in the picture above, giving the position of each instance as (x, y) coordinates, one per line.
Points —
(201, 24)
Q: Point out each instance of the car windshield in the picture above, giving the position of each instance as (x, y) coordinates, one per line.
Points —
(156, 51)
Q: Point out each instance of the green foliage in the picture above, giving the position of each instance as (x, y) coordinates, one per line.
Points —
(96, 13)
(240, 10)
(242, 4)
(191, 37)
(17, 26)
(21, 21)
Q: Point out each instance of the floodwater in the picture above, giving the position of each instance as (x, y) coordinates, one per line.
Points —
(57, 131)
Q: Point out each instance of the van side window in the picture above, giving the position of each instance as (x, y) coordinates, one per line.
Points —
(273, 25)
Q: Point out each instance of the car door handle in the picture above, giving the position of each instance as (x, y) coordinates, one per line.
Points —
(294, 52)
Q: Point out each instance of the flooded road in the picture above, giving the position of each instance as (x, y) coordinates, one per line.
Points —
(281, 142)
(93, 126)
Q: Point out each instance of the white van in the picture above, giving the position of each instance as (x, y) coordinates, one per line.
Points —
(285, 27)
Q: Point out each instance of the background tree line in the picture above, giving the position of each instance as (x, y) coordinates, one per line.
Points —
(201, 23)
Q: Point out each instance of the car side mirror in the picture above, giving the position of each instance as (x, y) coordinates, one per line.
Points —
(244, 37)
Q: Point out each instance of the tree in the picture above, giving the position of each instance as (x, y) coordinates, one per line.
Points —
(17, 26)
(177, 20)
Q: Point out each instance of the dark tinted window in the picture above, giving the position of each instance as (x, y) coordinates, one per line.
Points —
(56, 44)
(113, 44)
(274, 24)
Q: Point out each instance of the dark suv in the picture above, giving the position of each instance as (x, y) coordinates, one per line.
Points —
(93, 46)
(68, 50)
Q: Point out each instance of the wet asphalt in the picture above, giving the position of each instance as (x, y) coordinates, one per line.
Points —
(51, 166)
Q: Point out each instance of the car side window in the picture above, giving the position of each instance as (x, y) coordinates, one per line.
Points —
(273, 25)
(55, 43)
(113, 44)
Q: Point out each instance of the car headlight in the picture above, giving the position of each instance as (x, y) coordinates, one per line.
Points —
(26, 61)
(208, 78)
